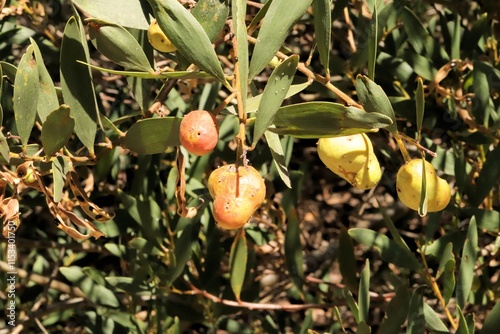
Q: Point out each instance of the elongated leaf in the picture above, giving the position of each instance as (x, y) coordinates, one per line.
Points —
(47, 95)
(467, 264)
(323, 31)
(416, 317)
(485, 219)
(422, 205)
(187, 35)
(396, 236)
(127, 13)
(116, 43)
(347, 261)
(488, 177)
(420, 103)
(96, 293)
(274, 30)
(325, 119)
(274, 143)
(9, 70)
(293, 250)
(153, 75)
(25, 98)
(415, 30)
(446, 269)
(57, 130)
(462, 323)
(373, 43)
(238, 263)
(492, 322)
(212, 15)
(274, 93)
(60, 169)
(374, 99)
(4, 147)
(351, 303)
(388, 249)
(253, 103)
(239, 10)
(364, 292)
(76, 84)
(396, 311)
(182, 253)
(153, 135)
(433, 321)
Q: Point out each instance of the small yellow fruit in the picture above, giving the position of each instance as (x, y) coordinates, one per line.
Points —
(158, 39)
(409, 186)
(352, 158)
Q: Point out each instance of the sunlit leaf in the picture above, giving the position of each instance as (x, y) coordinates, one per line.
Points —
(187, 35)
(118, 44)
(57, 130)
(127, 13)
(463, 328)
(422, 205)
(274, 93)
(274, 30)
(238, 263)
(4, 148)
(388, 249)
(325, 119)
(420, 104)
(351, 303)
(26, 88)
(153, 135)
(374, 100)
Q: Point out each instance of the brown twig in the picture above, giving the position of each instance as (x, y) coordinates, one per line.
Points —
(257, 306)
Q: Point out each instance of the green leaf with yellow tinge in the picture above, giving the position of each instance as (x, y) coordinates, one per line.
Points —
(212, 16)
(26, 88)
